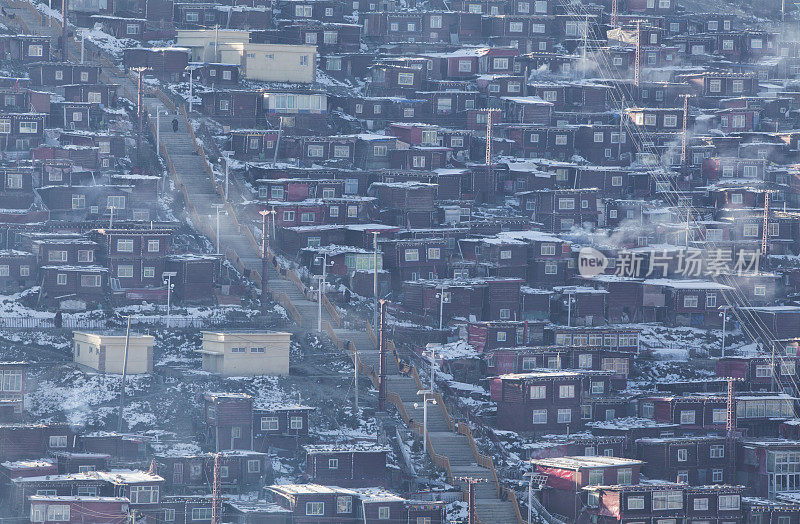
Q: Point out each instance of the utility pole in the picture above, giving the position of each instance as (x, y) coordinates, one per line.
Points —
(139, 112)
(684, 137)
(83, 38)
(124, 372)
(613, 14)
(471, 481)
(191, 95)
(621, 125)
(264, 250)
(489, 137)
(730, 425)
(218, 206)
(64, 13)
(765, 233)
(375, 281)
(382, 359)
(636, 71)
(216, 501)
(355, 379)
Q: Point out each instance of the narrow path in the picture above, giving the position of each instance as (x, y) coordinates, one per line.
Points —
(191, 174)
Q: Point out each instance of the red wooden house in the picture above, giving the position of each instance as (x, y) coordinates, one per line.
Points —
(73, 509)
(653, 502)
(568, 476)
(697, 461)
(281, 426)
(360, 464)
(228, 420)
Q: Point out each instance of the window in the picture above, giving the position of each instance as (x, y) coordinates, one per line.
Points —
(624, 475)
(683, 455)
(61, 279)
(116, 202)
(598, 388)
(711, 300)
(670, 120)
(550, 268)
(715, 86)
(750, 230)
(238, 349)
(169, 515)
(125, 245)
(330, 37)
(690, 301)
(716, 475)
(729, 502)
(201, 513)
(316, 151)
(333, 463)
(379, 150)
(717, 451)
(667, 500)
(144, 495)
(411, 27)
(688, 417)
(405, 79)
(501, 336)
(701, 504)
(564, 416)
(636, 502)
(307, 217)
(56, 256)
(408, 112)
(595, 477)
(539, 416)
(92, 280)
(296, 423)
(719, 416)
(58, 441)
(513, 27)
(537, 392)
(59, 513)
(269, 423)
(344, 504)
(411, 255)
(436, 21)
(288, 216)
(383, 513)
(561, 140)
(505, 314)
(566, 203)
(28, 127)
(153, 246)
(24, 271)
(566, 391)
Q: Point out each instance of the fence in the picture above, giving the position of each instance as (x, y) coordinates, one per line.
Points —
(178, 322)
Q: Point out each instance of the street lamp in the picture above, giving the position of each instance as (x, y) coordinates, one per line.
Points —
(540, 480)
(227, 156)
(167, 276)
(425, 401)
(375, 282)
(430, 349)
(324, 259)
(442, 299)
(570, 301)
(218, 207)
(724, 315)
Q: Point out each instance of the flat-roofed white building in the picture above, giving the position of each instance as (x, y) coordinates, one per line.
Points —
(246, 353)
(105, 352)
(272, 62)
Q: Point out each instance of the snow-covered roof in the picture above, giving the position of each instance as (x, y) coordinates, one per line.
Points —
(300, 489)
(356, 447)
(687, 284)
(576, 463)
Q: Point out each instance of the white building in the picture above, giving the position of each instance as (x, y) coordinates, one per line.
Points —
(243, 353)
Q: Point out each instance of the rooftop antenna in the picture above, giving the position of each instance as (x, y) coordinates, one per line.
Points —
(764, 233)
(216, 500)
(637, 70)
(613, 14)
